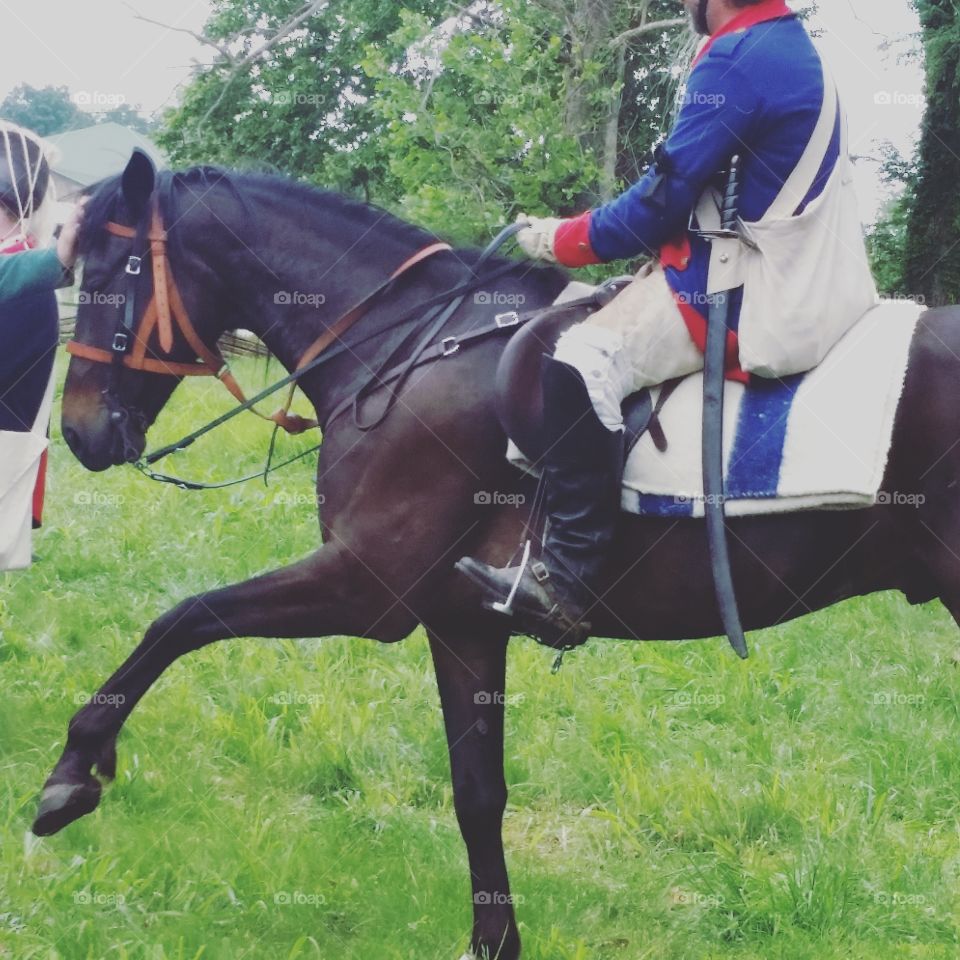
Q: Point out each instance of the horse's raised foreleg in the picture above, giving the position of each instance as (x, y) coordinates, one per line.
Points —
(325, 594)
(471, 674)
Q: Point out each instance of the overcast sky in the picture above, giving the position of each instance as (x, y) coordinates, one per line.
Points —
(105, 55)
(882, 90)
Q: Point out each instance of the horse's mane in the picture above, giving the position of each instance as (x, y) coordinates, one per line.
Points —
(105, 198)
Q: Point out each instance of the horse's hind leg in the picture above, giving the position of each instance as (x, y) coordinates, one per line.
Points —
(322, 595)
(471, 673)
(933, 568)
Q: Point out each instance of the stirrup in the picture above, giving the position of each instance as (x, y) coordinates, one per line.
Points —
(506, 608)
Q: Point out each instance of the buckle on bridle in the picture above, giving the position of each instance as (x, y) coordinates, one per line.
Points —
(120, 342)
(504, 320)
(449, 346)
(133, 266)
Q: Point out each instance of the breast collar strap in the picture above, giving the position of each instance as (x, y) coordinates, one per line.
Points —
(166, 309)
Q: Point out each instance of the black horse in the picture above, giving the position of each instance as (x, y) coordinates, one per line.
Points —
(402, 503)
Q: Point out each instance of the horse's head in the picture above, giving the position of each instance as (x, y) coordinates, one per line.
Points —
(148, 310)
(172, 260)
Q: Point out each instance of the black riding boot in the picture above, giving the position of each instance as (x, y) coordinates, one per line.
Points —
(583, 468)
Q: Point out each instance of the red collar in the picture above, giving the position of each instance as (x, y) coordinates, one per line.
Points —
(18, 244)
(768, 10)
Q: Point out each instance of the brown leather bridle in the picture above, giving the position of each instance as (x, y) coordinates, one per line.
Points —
(166, 310)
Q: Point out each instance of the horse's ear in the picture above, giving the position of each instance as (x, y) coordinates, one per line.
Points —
(138, 182)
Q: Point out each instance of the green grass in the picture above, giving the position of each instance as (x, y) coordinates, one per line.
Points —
(666, 801)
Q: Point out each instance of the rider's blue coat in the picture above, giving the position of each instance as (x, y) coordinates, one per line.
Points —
(757, 93)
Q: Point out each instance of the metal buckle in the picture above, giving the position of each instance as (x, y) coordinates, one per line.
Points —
(718, 234)
(449, 346)
(120, 342)
(133, 266)
(540, 571)
(503, 320)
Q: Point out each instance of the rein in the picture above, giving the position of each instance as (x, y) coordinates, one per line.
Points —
(166, 308)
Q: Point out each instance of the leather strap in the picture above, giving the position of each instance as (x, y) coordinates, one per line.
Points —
(148, 364)
(282, 416)
(801, 180)
(355, 313)
(166, 307)
(450, 346)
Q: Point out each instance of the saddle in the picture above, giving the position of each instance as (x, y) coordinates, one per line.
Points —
(519, 397)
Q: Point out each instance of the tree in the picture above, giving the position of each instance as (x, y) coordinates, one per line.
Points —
(126, 116)
(51, 110)
(611, 93)
(285, 89)
(887, 238)
(523, 106)
(932, 253)
(458, 117)
(46, 110)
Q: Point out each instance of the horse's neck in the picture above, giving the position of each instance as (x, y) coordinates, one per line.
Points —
(314, 295)
(295, 283)
(343, 269)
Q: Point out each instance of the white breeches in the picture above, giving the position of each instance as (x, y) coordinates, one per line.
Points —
(638, 340)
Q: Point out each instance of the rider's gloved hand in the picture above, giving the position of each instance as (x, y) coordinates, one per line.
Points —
(566, 242)
(536, 239)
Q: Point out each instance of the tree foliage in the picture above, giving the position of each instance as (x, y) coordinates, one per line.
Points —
(52, 110)
(45, 110)
(932, 234)
(887, 238)
(305, 106)
(885, 244)
(458, 117)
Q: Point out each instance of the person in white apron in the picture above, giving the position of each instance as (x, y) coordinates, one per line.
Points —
(29, 328)
(758, 89)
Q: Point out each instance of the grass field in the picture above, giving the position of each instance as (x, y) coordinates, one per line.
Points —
(285, 800)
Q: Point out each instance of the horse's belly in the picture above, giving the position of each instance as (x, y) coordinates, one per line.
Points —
(783, 567)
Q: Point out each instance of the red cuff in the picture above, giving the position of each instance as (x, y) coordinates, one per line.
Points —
(571, 243)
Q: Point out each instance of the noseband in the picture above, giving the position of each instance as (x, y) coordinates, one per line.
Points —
(166, 310)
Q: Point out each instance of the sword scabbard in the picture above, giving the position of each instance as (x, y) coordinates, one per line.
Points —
(713, 390)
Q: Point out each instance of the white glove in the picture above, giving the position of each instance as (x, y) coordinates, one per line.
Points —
(536, 239)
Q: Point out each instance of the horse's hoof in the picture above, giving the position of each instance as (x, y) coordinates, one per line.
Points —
(62, 803)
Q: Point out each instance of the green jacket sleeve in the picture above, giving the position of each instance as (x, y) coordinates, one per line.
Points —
(32, 271)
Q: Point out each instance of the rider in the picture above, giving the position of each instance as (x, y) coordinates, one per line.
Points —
(757, 89)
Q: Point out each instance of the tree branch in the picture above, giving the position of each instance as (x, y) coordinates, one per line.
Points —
(237, 66)
(628, 35)
(199, 37)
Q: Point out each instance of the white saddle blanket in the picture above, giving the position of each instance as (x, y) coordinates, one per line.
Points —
(818, 440)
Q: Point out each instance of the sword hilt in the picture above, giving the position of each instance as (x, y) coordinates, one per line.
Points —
(730, 208)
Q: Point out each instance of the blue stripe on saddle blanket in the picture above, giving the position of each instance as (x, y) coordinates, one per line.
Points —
(814, 441)
(818, 440)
